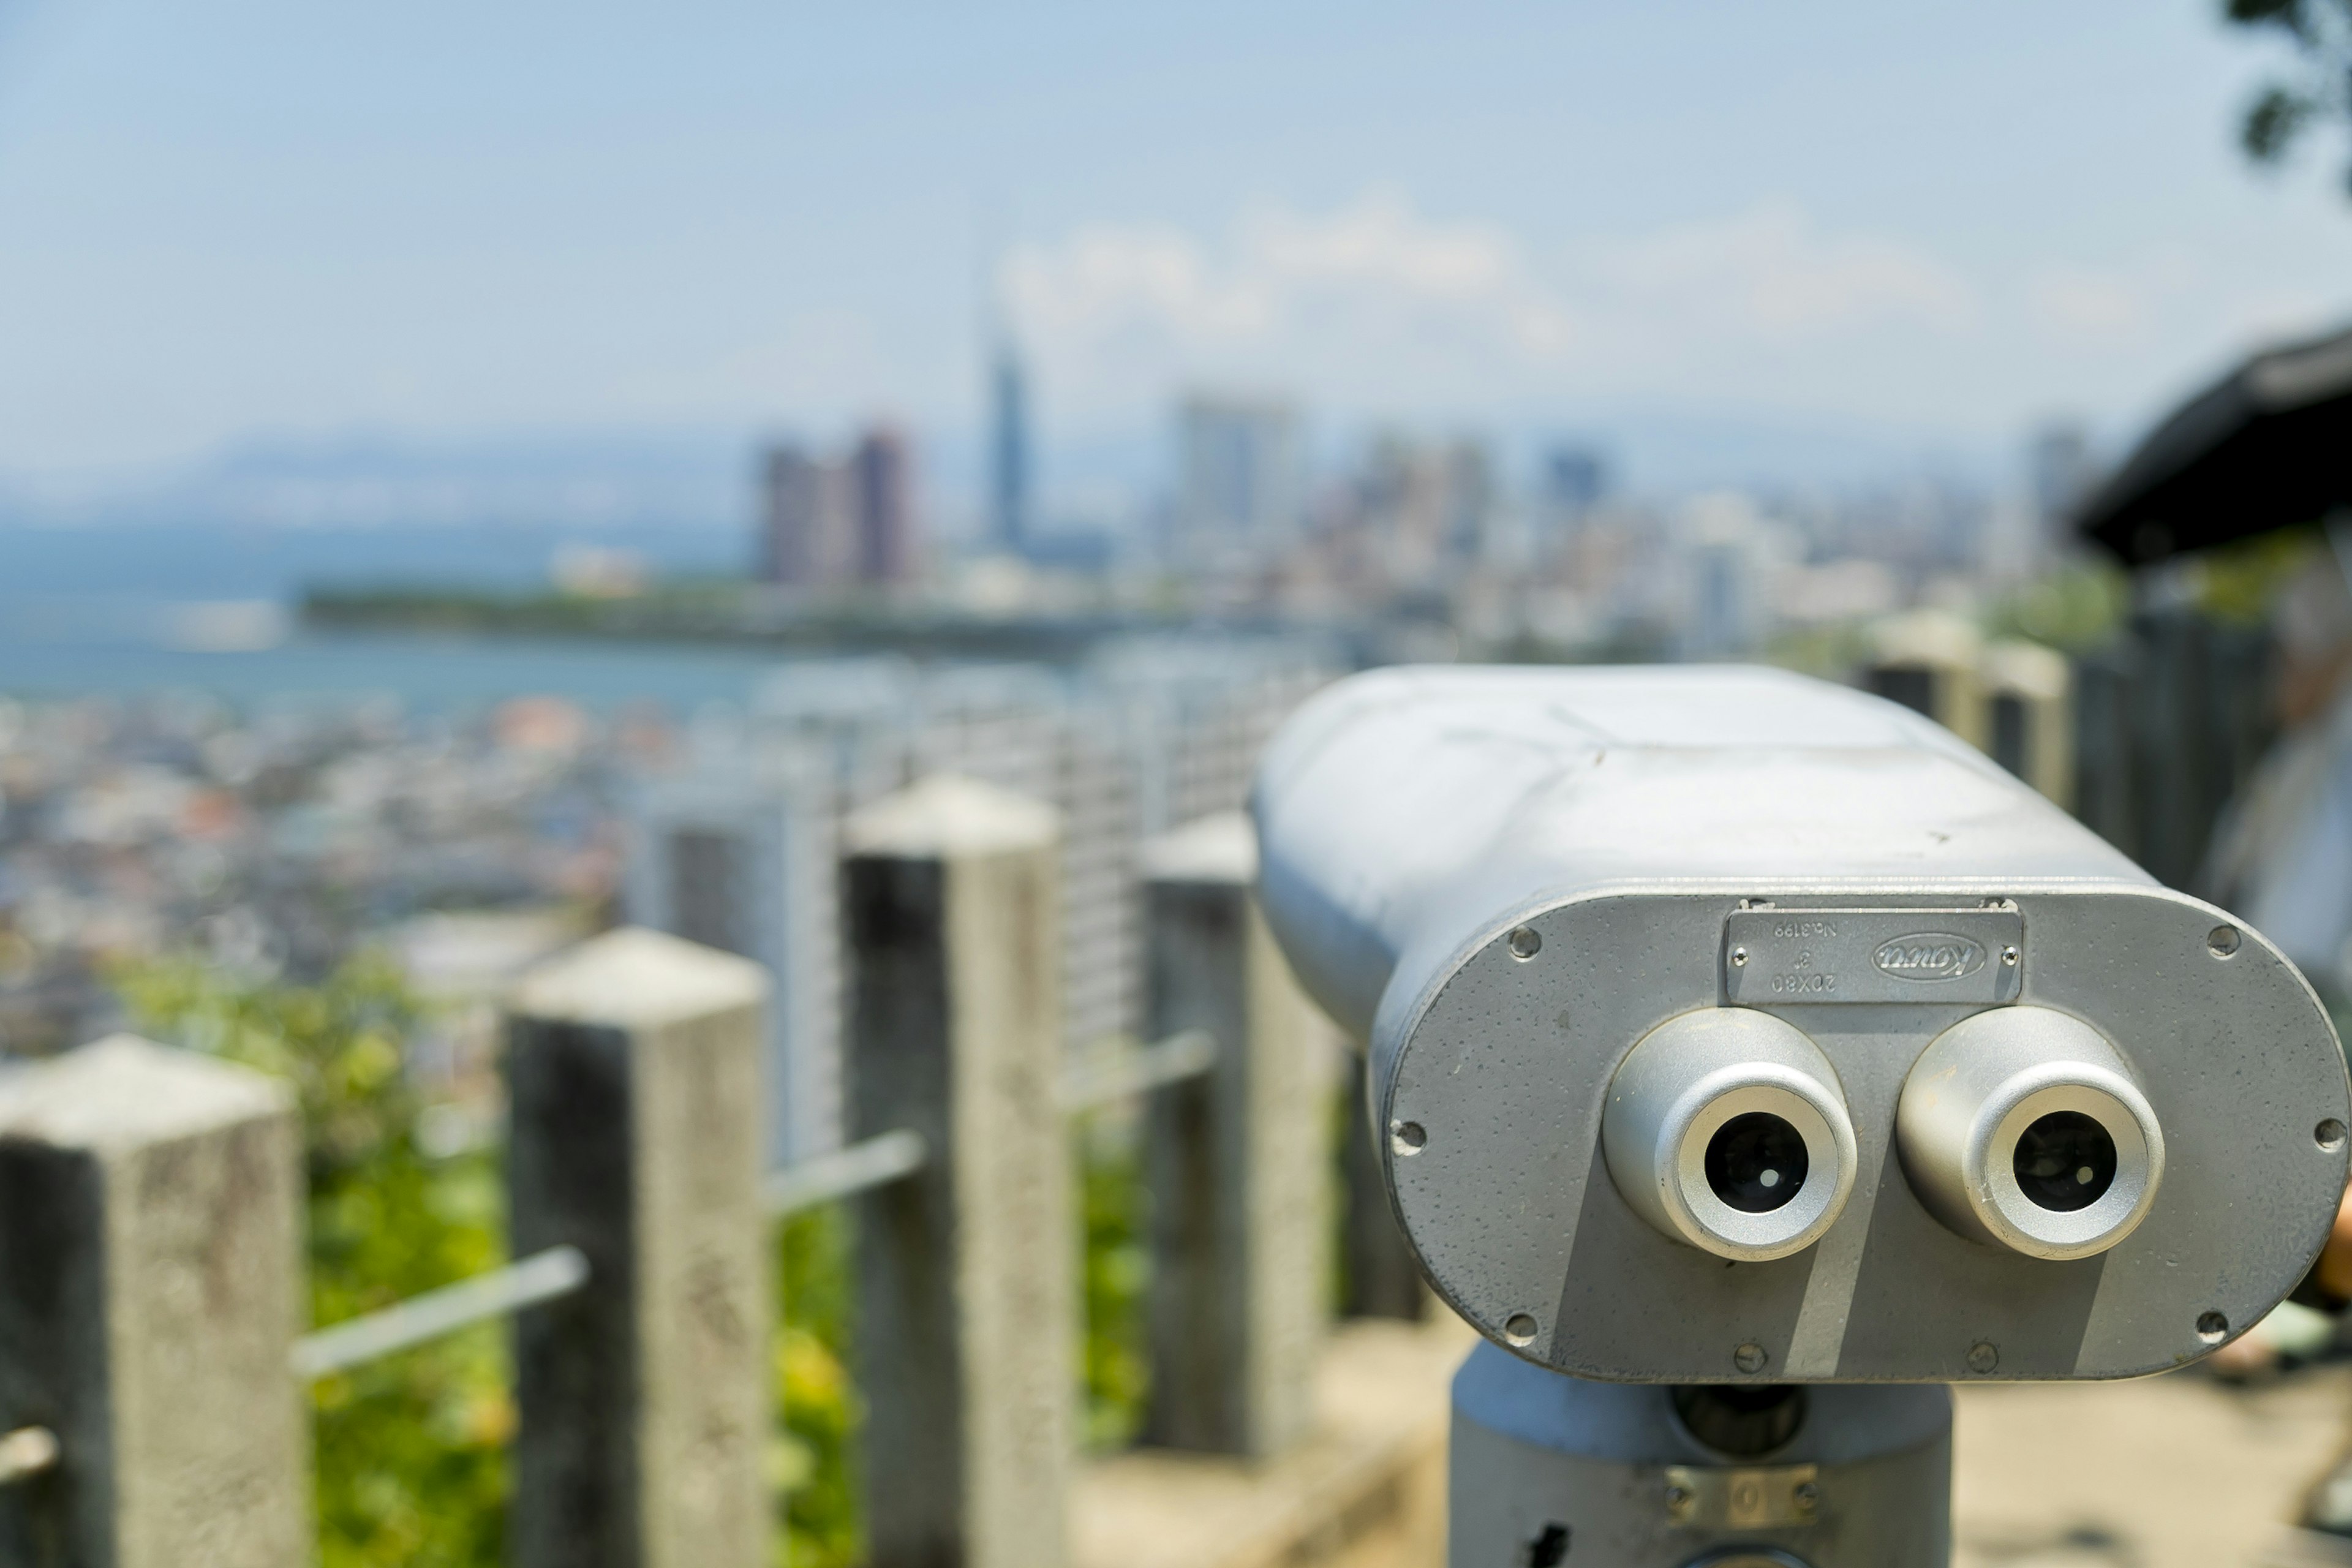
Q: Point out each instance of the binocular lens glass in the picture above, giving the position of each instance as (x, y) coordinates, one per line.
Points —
(1755, 1161)
(2066, 1162)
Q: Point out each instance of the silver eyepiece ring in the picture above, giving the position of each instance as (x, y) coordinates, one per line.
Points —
(2024, 1128)
(1727, 1129)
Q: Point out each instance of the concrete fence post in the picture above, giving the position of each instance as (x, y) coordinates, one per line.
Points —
(150, 1295)
(634, 1074)
(1237, 1161)
(964, 1271)
(2029, 715)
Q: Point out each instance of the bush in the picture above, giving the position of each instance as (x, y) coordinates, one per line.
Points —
(814, 1398)
(1114, 1359)
(410, 1468)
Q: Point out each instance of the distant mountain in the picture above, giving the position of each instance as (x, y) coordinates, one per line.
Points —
(703, 480)
(572, 480)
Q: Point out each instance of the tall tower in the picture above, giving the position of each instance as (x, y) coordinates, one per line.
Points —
(1008, 448)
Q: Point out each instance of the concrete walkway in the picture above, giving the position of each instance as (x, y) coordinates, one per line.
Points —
(1368, 1491)
(2170, 1472)
(2167, 1472)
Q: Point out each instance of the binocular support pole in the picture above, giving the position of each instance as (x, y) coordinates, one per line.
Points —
(1552, 1471)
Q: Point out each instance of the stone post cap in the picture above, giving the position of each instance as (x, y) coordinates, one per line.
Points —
(123, 1092)
(948, 817)
(633, 978)
(1217, 848)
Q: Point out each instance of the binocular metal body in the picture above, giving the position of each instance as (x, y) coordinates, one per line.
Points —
(1728, 1025)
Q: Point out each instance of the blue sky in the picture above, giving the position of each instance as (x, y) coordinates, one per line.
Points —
(447, 221)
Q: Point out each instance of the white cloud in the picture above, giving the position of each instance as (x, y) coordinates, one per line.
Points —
(2087, 302)
(1380, 244)
(1108, 277)
(2110, 304)
(1376, 305)
(1370, 294)
(1771, 274)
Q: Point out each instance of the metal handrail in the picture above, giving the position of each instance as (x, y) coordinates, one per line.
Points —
(560, 1270)
(527, 1282)
(1187, 1054)
(871, 1164)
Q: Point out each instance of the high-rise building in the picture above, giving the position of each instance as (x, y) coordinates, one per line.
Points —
(1728, 557)
(1471, 507)
(1574, 479)
(1427, 508)
(1240, 477)
(737, 852)
(736, 844)
(882, 500)
(1570, 481)
(1008, 451)
(2061, 469)
(800, 523)
(828, 524)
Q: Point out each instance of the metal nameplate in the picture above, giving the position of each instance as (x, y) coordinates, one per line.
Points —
(1778, 957)
(1711, 1499)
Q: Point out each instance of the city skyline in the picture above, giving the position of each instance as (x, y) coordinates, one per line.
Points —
(1947, 223)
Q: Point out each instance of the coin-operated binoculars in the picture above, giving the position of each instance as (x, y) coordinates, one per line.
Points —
(1750, 1058)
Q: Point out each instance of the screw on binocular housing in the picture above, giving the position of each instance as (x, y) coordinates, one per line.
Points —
(1752, 1029)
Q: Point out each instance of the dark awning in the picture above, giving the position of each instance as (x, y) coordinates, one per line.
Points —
(2269, 446)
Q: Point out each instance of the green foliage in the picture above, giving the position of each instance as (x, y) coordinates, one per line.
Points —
(1825, 652)
(687, 607)
(1116, 1364)
(410, 1450)
(818, 1406)
(2273, 122)
(2320, 32)
(2074, 609)
(816, 1456)
(410, 1468)
(2239, 583)
(815, 1453)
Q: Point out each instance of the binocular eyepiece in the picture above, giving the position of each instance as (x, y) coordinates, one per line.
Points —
(2023, 1127)
(1727, 1129)
(2020, 1128)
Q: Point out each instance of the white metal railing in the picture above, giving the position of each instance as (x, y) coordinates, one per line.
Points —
(1187, 1054)
(559, 1271)
(526, 1282)
(874, 1163)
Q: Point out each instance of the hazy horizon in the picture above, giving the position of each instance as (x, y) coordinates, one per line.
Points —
(1838, 238)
